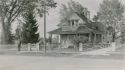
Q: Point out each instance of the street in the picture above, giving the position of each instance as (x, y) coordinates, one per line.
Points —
(15, 62)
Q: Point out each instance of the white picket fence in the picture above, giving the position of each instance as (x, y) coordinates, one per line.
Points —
(8, 46)
(36, 47)
(24, 47)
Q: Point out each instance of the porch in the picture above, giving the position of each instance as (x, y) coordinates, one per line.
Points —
(66, 40)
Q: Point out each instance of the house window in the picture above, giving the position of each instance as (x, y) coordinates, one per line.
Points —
(96, 28)
(74, 22)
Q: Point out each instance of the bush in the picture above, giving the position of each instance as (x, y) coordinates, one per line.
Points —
(79, 39)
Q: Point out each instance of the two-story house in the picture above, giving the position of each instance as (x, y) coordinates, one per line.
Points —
(79, 25)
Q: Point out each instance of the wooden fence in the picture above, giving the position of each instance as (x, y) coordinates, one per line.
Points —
(13, 47)
(24, 47)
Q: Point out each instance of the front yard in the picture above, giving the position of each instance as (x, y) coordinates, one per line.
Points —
(64, 52)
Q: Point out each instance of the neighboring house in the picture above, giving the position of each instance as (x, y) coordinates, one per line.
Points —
(80, 25)
(123, 32)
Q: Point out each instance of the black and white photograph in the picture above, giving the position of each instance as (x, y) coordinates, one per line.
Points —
(62, 34)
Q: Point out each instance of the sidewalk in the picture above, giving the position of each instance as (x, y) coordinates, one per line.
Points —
(96, 54)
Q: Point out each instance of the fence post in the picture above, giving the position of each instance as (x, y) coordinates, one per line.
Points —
(37, 46)
(29, 47)
(80, 47)
(113, 45)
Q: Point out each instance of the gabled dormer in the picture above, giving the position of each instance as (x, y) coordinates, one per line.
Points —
(74, 20)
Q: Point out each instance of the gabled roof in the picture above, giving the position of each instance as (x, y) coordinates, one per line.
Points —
(96, 26)
(83, 29)
(80, 30)
(83, 17)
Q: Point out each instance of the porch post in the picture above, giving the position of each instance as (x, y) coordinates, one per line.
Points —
(101, 38)
(89, 37)
(95, 39)
(59, 41)
(50, 36)
(50, 41)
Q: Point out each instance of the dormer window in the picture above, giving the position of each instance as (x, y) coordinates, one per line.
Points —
(76, 21)
(73, 22)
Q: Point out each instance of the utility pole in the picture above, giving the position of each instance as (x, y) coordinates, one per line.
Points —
(45, 25)
(45, 10)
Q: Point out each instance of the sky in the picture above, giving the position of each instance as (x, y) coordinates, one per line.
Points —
(53, 16)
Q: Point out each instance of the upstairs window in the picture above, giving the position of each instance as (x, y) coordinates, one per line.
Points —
(74, 22)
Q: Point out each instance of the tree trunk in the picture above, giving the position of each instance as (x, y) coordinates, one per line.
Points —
(3, 34)
(19, 46)
(3, 37)
(113, 44)
(113, 37)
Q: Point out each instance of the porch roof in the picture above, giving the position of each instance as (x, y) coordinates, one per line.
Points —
(80, 30)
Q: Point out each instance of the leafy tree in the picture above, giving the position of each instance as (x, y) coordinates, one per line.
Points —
(96, 17)
(18, 36)
(11, 39)
(12, 9)
(38, 8)
(67, 10)
(77, 40)
(30, 29)
(111, 14)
